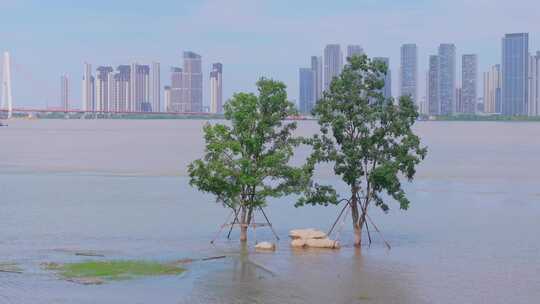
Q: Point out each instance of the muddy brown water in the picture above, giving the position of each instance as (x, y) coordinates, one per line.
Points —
(119, 187)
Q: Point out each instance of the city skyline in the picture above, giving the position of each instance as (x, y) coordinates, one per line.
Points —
(463, 98)
(239, 46)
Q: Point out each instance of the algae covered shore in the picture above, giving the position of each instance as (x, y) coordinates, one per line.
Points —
(98, 272)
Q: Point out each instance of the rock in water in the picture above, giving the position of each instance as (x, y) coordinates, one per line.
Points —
(298, 243)
(265, 246)
(323, 243)
(311, 238)
(305, 234)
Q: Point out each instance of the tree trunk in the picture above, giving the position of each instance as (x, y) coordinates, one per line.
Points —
(357, 227)
(243, 225)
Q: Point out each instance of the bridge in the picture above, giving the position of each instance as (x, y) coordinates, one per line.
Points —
(7, 110)
(30, 111)
(75, 113)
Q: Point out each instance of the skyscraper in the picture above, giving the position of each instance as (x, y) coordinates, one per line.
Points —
(387, 90)
(333, 63)
(64, 92)
(534, 85)
(514, 69)
(140, 79)
(120, 93)
(316, 67)
(408, 72)
(167, 98)
(192, 80)
(88, 100)
(102, 98)
(492, 90)
(433, 86)
(132, 105)
(216, 88)
(7, 97)
(447, 78)
(469, 83)
(459, 100)
(177, 103)
(306, 96)
(354, 49)
(156, 87)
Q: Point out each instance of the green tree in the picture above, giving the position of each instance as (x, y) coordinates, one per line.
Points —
(247, 161)
(368, 138)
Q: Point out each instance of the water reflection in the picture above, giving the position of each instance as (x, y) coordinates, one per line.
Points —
(304, 276)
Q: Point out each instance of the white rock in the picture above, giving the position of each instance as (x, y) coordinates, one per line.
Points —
(305, 234)
(265, 246)
(323, 243)
(298, 243)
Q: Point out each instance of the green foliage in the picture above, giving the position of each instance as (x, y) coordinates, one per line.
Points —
(116, 270)
(368, 138)
(248, 161)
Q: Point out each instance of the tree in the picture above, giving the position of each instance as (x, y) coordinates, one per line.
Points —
(368, 138)
(247, 161)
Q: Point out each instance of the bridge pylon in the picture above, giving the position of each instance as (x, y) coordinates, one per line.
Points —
(7, 98)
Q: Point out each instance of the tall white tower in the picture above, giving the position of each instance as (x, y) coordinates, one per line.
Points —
(6, 84)
(216, 88)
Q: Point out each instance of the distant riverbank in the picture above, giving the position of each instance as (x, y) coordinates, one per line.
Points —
(463, 117)
(212, 116)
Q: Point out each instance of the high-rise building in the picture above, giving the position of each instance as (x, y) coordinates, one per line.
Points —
(354, 49)
(459, 100)
(447, 78)
(140, 88)
(387, 90)
(131, 107)
(514, 69)
(120, 90)
(7, 97)
(177, 102)
(192, 80)
(156, 87)
(469, 83)
(306, 96)
(88, 99)
(167, 98)
(433, 86)
(102, 90)
(216, 88)
(534, 85)
(492, 90)
(316, 67)
(333, 63)
(64, 92)
(408, 72)
(111, 91)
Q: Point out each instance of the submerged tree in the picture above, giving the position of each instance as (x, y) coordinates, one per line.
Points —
(368, 138)
(247, 161)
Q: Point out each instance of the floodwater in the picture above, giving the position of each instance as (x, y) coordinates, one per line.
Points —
(119, 187)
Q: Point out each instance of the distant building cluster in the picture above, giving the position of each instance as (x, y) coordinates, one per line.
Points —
(128, 88)
(317, 78)
(510, 88)
(137, 88)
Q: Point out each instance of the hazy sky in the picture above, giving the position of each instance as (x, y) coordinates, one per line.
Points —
(251, 38)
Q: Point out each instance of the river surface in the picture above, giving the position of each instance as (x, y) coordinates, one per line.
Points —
(119, 187)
